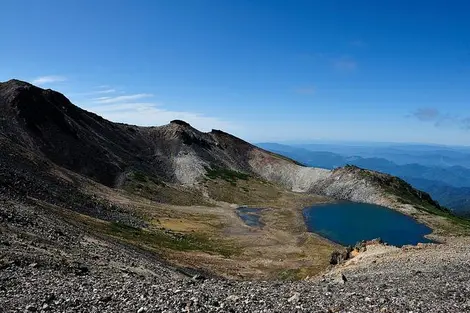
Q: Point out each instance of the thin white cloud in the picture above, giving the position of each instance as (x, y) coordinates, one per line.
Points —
(101, 99)
(105, 91)
(119, 107)
(93, 93)
(43, 80)
(130, 109)
(122, 98)
(150, 114)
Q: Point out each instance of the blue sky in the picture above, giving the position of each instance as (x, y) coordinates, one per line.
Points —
(263, 70)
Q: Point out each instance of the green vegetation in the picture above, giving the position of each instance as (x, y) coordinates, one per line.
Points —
(423, 201)
(285, 158)
(150, 187)
(158, 239)
(228, 175)
(250, 192)
(406, 194)
(290, 274)
(143, 178)
(139, 176)
(402, 190)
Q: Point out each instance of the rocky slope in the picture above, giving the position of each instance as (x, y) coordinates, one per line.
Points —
(47, 126)
(50, 265)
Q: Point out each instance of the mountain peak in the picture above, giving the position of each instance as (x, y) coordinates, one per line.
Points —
(11, 89)
(15, 82)
(32, 103)
(180, 122)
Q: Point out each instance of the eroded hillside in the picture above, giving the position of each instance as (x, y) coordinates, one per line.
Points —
(107, 216)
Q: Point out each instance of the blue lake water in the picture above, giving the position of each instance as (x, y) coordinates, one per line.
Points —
(250, 216)
(347, 223)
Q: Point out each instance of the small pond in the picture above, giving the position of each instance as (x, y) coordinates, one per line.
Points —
(250, 216)
(348, 223)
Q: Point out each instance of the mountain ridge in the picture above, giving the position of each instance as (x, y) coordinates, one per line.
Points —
(448, 185)
(116, 216)
(47, 123)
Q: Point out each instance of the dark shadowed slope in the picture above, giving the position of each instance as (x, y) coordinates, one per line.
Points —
(48, 127)
(46, 122)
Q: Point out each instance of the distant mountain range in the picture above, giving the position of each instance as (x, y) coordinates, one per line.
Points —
(401, 154)
(440, 171)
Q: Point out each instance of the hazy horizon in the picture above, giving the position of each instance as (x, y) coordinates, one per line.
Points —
(361, 143)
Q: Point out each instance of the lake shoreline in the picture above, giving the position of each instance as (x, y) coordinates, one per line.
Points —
(343, 222)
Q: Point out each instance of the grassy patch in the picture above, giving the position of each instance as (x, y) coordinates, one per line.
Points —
(290, 274)
(143, 178)
(162, 239)
(404, 192)
(280, 156)
(139, 176)
(152, 188)
(229, 175)
(283, 219)
(453, 224)
(201, 224)
(258, 193)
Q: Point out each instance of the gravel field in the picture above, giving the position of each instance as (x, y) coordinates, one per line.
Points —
(48, 265)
